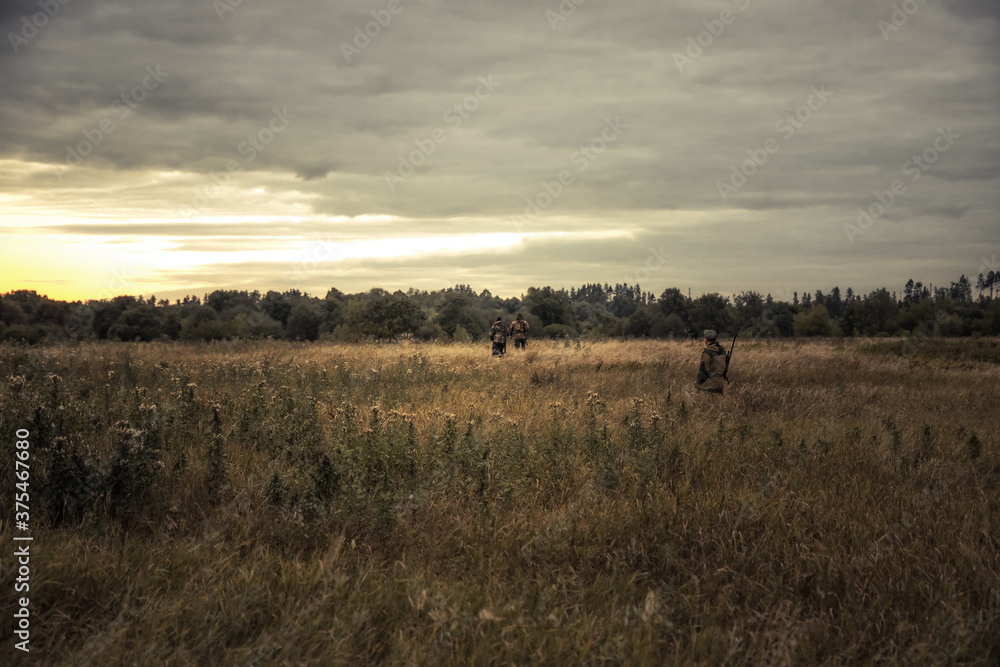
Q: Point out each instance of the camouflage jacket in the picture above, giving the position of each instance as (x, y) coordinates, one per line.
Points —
(498, 334)
(519, 329)
(713, 366)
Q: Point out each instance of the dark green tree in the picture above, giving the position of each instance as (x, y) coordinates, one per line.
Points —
(674, 302)
(137, 323)
(304, 320)
(710, 311)
(813, 322)
(461, 309)
(749, 308)
(549, 306)
(383, 315)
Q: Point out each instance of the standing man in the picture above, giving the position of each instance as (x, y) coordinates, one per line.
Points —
(519, 332)
(498, 334)
(713, 365)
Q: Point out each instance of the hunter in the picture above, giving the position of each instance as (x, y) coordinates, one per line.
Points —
(712, 370)
(519, 332)
(498, 334)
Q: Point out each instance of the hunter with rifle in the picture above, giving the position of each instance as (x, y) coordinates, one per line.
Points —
(714, 366)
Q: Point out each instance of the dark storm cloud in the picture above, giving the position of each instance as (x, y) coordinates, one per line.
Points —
(974, 9)
(12, 11)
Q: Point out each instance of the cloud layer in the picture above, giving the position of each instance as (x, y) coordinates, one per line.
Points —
(742, 137)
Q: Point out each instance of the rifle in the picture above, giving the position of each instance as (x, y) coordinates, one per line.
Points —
(729, 355)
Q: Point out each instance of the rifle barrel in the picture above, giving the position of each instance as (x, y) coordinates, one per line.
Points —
(729, 355)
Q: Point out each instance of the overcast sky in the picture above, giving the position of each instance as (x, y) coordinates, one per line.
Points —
(174, 148)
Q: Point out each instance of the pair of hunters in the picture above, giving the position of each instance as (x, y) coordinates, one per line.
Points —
(714, 368)
(499, 333)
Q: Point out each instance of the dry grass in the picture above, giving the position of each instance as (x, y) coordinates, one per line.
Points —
(274, 503)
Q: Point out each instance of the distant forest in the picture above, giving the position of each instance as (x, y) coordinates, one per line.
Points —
(461, 314)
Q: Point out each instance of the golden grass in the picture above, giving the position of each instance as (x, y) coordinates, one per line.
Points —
(421, 504)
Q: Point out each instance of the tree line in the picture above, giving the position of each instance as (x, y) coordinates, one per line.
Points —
(461, 314)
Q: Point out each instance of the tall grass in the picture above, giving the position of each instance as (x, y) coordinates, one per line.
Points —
(277, 503)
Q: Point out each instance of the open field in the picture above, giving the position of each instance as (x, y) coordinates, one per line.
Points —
(280, 503)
